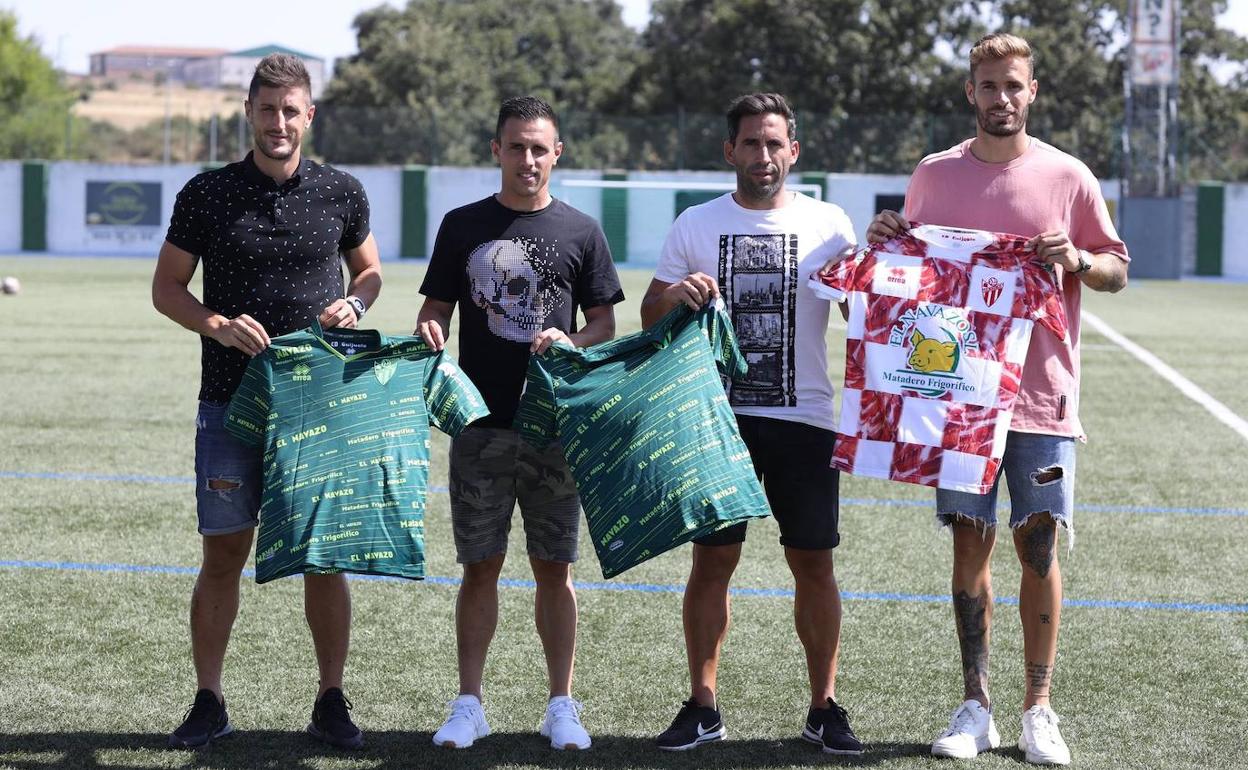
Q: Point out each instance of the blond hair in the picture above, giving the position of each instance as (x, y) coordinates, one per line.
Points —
(1000, 45)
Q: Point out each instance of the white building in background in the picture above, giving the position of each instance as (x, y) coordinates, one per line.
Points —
(204, 67)
(236, 68)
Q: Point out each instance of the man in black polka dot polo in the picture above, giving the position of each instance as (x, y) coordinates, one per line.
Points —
(272, 231)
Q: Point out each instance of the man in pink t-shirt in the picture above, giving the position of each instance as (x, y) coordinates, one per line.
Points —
(1005, 181)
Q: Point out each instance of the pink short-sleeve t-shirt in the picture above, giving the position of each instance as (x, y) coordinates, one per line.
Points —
(1043, 189)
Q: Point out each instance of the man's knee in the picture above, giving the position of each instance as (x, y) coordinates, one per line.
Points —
(714, 563)
(548, 573)
(1035, 539)
(485, 571)
(810, 566)
(226, 555)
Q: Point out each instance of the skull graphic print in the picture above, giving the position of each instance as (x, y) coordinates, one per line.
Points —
(513, 286)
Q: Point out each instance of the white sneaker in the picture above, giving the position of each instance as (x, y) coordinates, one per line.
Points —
(562, 724)
(465, 724)
(1041, 741)
(971, 730)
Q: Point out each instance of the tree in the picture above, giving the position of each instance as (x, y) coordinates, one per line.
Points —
(34, 106)
(427, 81)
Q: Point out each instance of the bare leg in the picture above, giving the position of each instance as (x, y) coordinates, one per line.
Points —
(214, 604)
(1039, 603)
(554, 610)
(476, 618)
(972, 603)
(327, 606)
(817, 615)
(706, 615)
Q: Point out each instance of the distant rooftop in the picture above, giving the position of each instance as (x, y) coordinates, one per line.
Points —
(163, 51)
(265, 50)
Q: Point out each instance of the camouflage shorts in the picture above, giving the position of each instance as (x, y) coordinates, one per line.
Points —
(491, 470)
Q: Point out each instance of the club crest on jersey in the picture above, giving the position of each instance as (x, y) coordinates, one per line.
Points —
(385, 370)
(991, 288)
(931, 340)
(301, 373)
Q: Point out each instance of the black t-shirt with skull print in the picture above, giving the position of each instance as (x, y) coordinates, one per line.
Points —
(513, 274)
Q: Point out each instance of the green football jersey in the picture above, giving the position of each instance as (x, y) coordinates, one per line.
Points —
(648, 433)
(343, 416)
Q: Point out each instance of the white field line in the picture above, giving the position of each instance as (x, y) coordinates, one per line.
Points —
(1184, 385)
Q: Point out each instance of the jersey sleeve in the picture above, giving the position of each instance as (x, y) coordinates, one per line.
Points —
(1042, 298)
(536, 418)
(451, 398)
(356, 228)
(598, 283)
(445, 274)
(247, 418)
(717, 327)
(189, 226)
(836, 283)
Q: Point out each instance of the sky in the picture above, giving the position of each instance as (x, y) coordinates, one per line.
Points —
(70, 30)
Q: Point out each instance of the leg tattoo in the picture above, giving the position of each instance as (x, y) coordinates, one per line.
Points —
(970, 612)
(1039, 677)
(1038, 546)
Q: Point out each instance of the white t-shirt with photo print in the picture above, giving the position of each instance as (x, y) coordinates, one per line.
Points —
(761, 260)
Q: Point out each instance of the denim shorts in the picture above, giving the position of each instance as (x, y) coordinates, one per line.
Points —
(491, 470)
(223, 461)
(1040, 472)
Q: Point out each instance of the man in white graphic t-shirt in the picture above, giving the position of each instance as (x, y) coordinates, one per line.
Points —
(755, 248)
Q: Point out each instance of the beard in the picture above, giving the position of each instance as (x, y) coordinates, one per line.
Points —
(759, 192)
(986, 123)
(261, 145)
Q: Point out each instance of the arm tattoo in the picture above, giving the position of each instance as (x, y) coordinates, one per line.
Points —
(970, 614)
(1038, 547)
(1039, 676)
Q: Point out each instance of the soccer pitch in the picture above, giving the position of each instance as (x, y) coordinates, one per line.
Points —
(98, 552)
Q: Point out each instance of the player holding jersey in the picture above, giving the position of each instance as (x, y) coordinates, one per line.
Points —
(1006, 181)
(755, 248)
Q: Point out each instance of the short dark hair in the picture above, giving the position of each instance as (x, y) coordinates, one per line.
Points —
(759, 104)
(280, 70)
(526, 108)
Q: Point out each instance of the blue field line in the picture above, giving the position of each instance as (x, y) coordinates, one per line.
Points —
(866, 501)
(650, 588)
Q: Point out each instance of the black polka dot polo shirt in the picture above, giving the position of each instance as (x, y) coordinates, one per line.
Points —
(270, 251)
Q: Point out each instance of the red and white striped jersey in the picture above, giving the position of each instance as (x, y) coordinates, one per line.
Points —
(939, 323)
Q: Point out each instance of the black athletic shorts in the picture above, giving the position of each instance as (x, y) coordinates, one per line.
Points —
(793, 460)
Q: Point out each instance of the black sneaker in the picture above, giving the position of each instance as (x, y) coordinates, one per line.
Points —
(332, 724)
(204, 720)
(830, 729)
(694, 725)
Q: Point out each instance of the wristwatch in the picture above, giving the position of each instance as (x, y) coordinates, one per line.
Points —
(1084, 263)
(357, 305)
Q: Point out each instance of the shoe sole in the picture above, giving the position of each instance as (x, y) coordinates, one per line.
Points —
(222, 733)
(988, 744)
(718, 735)
(565, 747)
(1036, 759)
(356, 742)
(828, 749)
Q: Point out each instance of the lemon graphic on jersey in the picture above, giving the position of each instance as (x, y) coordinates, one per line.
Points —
(385, 370)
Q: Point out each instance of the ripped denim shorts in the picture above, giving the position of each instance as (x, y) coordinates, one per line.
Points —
(228, 475)
(1040, 472)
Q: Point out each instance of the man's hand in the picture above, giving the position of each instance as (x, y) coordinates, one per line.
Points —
(1054, 248)
(695, 290)
(431, 332)
(885, 225)
(548, 337)
(244, 333)
(339, 314)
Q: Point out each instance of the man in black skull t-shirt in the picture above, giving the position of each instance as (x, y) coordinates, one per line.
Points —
(518, 265)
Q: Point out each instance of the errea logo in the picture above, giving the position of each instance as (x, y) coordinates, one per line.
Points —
(301, 373)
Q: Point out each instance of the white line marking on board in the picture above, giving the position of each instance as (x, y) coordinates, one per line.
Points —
(1184, 385)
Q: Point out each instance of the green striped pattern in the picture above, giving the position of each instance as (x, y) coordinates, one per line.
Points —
(819, 178)
(35, 206)
(414, 202)
(1210, 213)
(648, 433)
(615, 217)
(343, 417)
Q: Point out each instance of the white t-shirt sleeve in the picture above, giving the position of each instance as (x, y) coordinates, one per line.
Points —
(674, 259)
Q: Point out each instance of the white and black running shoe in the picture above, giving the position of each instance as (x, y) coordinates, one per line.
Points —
(694, 725)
